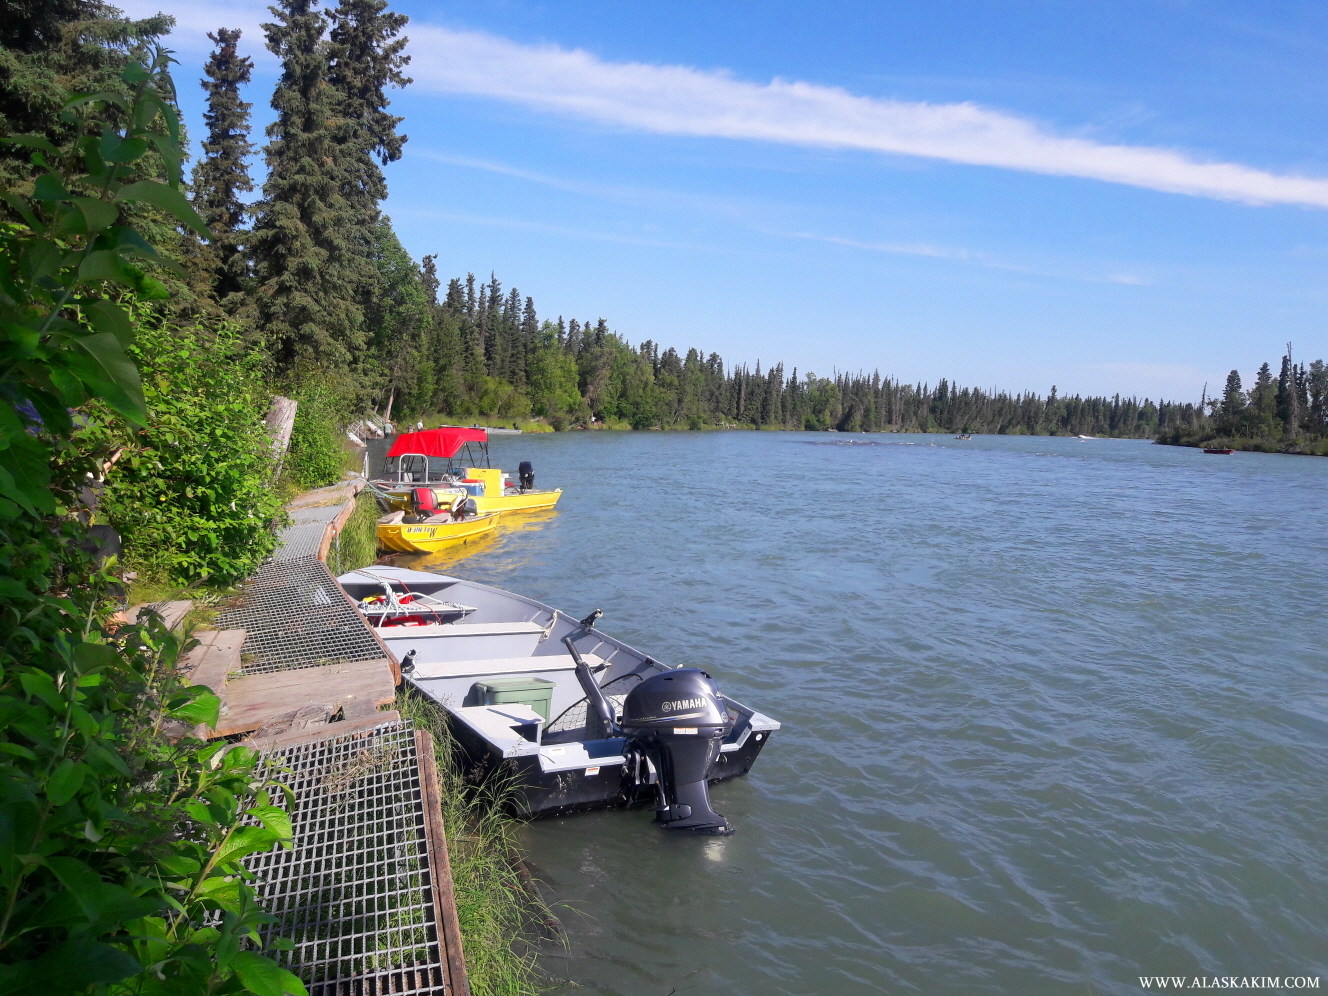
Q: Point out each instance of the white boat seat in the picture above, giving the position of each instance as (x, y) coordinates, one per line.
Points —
(436, 630)
(493, 666)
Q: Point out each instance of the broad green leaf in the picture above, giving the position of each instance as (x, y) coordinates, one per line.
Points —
(32, 142)
(264, 977)
(105, 96)
(169, 199)
(40, 684)
(71, 968)
(120, 371)
(108, 316)
(245, 841)
(65, 782)
(204, 708)
(115, 149)
(104, 264)
(97, 214)
(49, 188)
(95, 655)
(18, 750)
(275, 819)
(9, 489)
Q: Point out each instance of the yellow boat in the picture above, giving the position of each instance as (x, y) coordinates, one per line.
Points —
(488, 486)
(434, 533)
(497, 497)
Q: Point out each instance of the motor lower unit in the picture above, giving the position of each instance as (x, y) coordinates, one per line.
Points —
(678, 721)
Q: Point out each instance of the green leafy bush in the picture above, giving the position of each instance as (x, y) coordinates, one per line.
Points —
(316, 456)
(121, 848)
(191, 494)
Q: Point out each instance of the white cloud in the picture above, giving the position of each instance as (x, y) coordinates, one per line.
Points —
(680, 100)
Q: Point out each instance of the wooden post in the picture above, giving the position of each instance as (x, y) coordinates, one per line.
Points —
(280, 422)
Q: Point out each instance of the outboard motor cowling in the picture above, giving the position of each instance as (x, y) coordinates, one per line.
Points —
(526, 473)
(680, 721)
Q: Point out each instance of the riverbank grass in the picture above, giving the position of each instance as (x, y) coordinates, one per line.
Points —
(495, 907)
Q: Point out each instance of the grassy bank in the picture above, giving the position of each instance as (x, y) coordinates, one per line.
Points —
(495, 906)
(356, 545)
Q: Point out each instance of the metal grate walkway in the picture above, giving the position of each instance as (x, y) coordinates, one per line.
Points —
(356, 893)
(304, 536)
(297, 616)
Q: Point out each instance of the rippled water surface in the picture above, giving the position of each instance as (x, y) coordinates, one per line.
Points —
(1055, 712)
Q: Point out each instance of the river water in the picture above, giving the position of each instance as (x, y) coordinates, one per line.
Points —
(1055, 711)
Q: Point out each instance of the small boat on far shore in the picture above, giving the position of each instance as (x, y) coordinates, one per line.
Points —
(1219, 450)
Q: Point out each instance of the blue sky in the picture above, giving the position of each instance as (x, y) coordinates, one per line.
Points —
(1107, 197)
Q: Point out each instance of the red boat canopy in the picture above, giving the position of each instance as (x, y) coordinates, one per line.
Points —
(445, 441)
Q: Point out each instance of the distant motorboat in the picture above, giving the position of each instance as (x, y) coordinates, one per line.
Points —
(964, 435)
(1088, 437)
(1219, 450)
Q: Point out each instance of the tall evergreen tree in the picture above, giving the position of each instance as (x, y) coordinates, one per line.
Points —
(1288, 397)
(310, 266)
(222, 175)
(366, 58)
(53, 49)
(1231, 412)
(429, 278)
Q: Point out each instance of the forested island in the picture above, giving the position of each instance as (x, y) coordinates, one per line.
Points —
(1288, 414)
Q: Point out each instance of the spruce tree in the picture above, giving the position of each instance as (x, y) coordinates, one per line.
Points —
(309, 266)
(223, 174)
(51, 50)
(365, 59)
(429, 277)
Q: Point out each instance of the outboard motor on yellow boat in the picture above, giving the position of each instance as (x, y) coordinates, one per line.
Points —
(679, 722)
(526, 474)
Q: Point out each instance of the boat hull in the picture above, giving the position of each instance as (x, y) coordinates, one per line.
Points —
(538, 794)
(523, 501)
(403, 537)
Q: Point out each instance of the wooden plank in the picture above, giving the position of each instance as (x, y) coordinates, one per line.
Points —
(215, 657)
(440, 867)
(172, 613)
(325, 731)
(255, 700)
(334, 528)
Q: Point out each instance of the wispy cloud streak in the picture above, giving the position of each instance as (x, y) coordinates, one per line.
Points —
(680, 100)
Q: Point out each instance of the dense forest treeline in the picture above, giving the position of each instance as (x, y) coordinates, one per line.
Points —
(1287, 414)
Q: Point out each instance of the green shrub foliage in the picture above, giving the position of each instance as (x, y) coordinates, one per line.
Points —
(122, 839)
(316, 456)
(191, 494)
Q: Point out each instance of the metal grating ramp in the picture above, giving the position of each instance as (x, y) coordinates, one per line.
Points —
(356, 892)
(304, 536)
(297, 616)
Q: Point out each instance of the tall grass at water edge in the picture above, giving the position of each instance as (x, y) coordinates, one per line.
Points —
(356, 545)
(499, 913)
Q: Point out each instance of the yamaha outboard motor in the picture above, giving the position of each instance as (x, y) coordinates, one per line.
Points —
(526, 472)
(679, 720)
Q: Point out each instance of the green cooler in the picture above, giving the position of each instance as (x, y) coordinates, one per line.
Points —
(534, 692)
